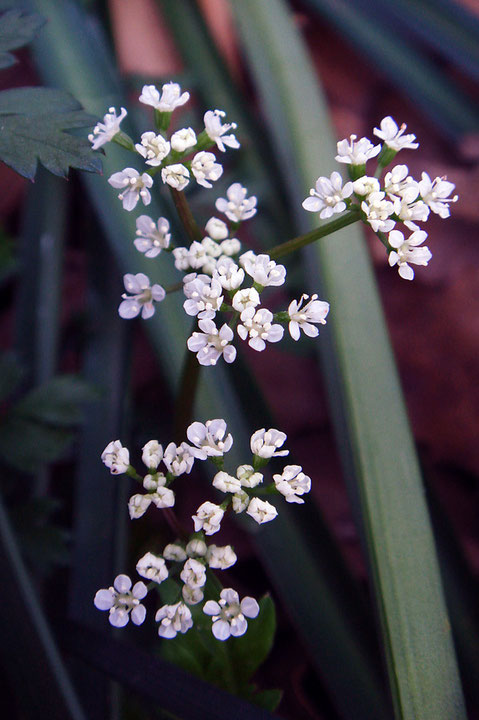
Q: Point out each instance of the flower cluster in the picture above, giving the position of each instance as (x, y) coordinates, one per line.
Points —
(398, 198)
(188, 562)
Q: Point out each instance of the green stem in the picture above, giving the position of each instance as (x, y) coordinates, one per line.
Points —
(332, 226)
(186, 216)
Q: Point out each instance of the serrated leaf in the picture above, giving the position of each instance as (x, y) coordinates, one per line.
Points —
(250, 650)
(58, 402)
(32, 128)
(17, 28)
(25, 444)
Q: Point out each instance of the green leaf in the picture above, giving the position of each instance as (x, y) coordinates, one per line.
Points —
(58, 402)
(33, 125)
(267, 699)
(17, 28)
(250, 650)
(26, 444)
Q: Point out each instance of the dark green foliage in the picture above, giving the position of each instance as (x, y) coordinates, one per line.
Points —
(17, 28)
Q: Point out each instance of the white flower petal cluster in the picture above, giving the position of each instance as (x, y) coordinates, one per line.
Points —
(305, 315)
(247, 298)
(116, 457)
(408, 251)
(154, 148)
(123, 601)
(229, 274)
(216, 130)
(105, 131)
(204, 168)
(174, 552)
(152, 237)
(173, 619)
(170, 98)
(176, 176)
(436, 194)
(237, 206)
(209, 439)
(196, 548)
(262, 269)
(204, 295)
(216, 229)
(208, 518)
(292, 483)
(356, 152)
(328, 196)
(133, 186)
(210, 344)
(162, 497)
(183, 140)
(221, 558)
(394, 137)
(152, 454)
(229, 614)
(257, 325)
(378, 210)
(178, 459)
(152, 568)
(226, 483)
(142, 298)
(193, 573)
(261, 510)
(266, 443)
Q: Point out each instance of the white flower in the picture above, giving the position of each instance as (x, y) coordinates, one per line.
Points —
(192, 596)
(237, 207)
(197, 255)
(248, 477)
(152, 237)
(356, 152)
(265, 443)
(178, 459)
(142, 299)
(393, 136)
(240, 501)
(230, 247)
(412, 213)
(229, 614)
(329, 195)
(366, 185)
(262, 269)
(170, 98)
(261, 511)
(229, 274)
(154, 148)
(152, 568)
(196, 548)
(162, 497)
(258, 325)
(210, 344)
(133, 185)
(193, 573)
(407, 251)
(221, 558)
(249, 297)
(216, 131)
(398, 183)
(302, 316)
(378, 211)
(217, 229)
(116, 457)
(435, 194)
(174, 552)
(105, 131)
(181, 255)
(183, 139)
(176, 176)
(208, 518)
(152, 454)
(226, 483)
(204, 296)
(210, 439)
(292, 482)
(138, 505)
(153, 482)
(122, 601)
(173, 619)
(204, 168)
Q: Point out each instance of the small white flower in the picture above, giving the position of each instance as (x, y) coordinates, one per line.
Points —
(122, 601)
(152, 568)
(210, 439)
(366, 185)
(398, 183)
(393, 136)
(229, 274)
(154, 148)
(248, 477)
(412, 213)
(174, 552)
(176, 176)
(193, 573)
(356, 152)
(407, 251)
(142, 299)
(152, 454)
(116, 457)
(292, 482)
(162, 497)
(196, 548)
(378, 211)
(204, 168)
(237, 206)
(329, 195)
(229, 614)
(208, 518)
(265, 443)
(210, 344)
(197, 255)
(216, 130)
(261, 511)
(217, 229)
(249, 297)
(170, 98)
(240, 501)
(262, 269)
(258, 326)
(226, 483)
(105, 131)
(302, 316)
(192, 596)
(152, 238)
(178, 459)
(221, 558)
(133, 185)
(138, 505)
(204, 296)
(173, 619)
(230, 247)
(435, 194)
(181, 255)
(183, 139)
(153, 482)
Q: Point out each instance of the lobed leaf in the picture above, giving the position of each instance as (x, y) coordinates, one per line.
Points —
(17, 28)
